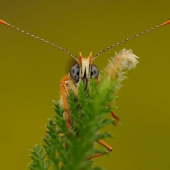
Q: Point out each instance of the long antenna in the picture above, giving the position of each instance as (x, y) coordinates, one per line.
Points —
(41, 39)
(144, 32)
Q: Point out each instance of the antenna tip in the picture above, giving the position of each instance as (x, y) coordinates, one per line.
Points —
(167, 22)
(2, 22)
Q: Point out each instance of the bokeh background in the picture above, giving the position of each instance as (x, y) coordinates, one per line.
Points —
(30, 73)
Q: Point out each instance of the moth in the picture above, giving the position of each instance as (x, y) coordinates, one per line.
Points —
(82, 70)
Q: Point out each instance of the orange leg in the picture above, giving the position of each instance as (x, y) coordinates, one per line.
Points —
(108, 147)
(117, 119)
(64, 90)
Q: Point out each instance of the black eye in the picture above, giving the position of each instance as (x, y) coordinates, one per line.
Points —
(74, 72)
(94, 72)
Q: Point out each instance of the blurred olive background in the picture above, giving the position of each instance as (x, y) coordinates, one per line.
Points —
(30, 73)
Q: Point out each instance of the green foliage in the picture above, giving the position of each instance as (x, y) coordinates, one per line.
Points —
(65, 149)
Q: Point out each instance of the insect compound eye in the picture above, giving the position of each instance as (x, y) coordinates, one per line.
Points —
(94, 72)
(74, 72)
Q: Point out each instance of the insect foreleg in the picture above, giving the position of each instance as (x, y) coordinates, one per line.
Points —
(64, 91)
